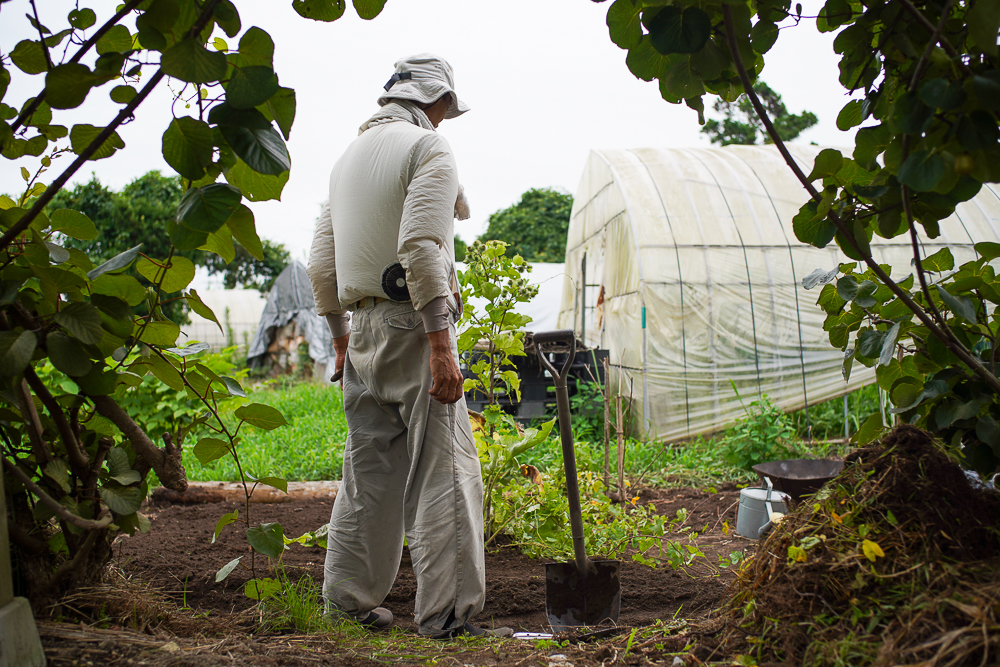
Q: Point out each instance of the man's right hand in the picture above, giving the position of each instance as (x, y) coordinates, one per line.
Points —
(447, 387)
(340, 347)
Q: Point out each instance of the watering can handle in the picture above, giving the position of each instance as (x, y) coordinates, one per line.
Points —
(767, 506)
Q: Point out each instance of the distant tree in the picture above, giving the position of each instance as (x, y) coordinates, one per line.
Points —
(460, 248)
(741, 125)
(140, 213)
(534, 228)
(249, 272)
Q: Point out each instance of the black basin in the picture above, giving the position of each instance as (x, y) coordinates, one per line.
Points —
(799, 477)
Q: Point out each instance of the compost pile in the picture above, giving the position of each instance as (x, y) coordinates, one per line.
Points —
(896, 561)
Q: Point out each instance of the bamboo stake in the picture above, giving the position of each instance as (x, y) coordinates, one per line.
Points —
(621, 449)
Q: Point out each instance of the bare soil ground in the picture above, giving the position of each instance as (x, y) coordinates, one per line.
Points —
(219, 627)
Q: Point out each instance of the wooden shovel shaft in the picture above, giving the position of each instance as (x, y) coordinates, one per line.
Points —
(566, 434)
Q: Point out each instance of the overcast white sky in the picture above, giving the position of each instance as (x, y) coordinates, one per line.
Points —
(544, 81)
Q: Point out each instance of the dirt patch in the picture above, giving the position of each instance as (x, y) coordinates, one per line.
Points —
(177, 557)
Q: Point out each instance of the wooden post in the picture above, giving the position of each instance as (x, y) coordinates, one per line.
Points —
(621, 450)
(19, 642)
(607, 429)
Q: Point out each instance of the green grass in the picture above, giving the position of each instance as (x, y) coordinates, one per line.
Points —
(309, 447)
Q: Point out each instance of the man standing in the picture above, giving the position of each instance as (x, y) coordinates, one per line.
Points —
(384, 250)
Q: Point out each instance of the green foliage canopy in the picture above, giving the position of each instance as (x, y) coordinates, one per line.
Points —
(534, 228)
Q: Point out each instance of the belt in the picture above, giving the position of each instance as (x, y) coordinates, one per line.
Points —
(366, 302)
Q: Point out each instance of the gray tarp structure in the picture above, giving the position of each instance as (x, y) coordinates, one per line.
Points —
(291, 301)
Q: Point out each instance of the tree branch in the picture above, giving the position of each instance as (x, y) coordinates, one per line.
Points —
(925, 22)
(77, 456)
(35, 103)
(957, 348)
(32, 424)
(167, 464)
(125, 113)
(41, 35)
(53, 504)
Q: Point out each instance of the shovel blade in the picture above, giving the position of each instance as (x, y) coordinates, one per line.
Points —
(572, 601)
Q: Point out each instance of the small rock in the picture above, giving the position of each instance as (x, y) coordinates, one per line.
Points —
(678, 662)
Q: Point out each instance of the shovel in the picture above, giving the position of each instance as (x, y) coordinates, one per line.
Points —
(583, 592)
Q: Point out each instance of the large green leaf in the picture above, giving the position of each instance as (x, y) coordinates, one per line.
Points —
(681, 80)
(161, 334)
(116, 263)
(66, 86)
(320, 10)
(98, 382)
(673, 30)
(206, 209)
(256, 48)
(82, 321)
(850, 115)
(210, 449)
(983, 21)
(122, 94)
(809, 229)
(15, 351)
(763, 36)
(940, 261)
(241, 224)
(280, 108)
(251, 86)
(987, 88)
(176, 277)
(82, 135)
(960, 305)
(187, 146)
(190, 61)
(828, 162)
(262, 588)
(82, 18)
(119, 469)
(253, 185)
(267, 539)
(369, 9)
(263, 150)
(228, 18)
(227, 569)
(220, 242)
(67, 354)
(121, 500)
(73, 224)
(123, 287)
(942, 94)
(118, 39)
(922, 171)
(624, 24)
(162, 14)
(261, 415)
(29, 57)
(198, 306)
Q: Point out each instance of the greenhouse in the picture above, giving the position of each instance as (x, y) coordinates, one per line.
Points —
(683, 264)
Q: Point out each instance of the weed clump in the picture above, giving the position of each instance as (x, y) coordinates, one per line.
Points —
(896, 561)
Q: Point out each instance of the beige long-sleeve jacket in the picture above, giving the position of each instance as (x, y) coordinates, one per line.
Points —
(392, 199)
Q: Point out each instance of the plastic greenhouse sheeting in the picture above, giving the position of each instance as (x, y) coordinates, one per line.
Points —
(694, 281)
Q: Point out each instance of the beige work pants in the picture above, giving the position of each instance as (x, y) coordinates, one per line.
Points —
(410, 467)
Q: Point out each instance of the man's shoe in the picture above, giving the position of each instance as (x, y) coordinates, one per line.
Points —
(379, 617)
(474, 631)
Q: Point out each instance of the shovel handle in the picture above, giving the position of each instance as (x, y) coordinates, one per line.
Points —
(568, 337)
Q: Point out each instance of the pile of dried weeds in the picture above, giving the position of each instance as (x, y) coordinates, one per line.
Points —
(896, 561)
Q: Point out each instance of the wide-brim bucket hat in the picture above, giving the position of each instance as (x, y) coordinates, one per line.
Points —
(423, 79)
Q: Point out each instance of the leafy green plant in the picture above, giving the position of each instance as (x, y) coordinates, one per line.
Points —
(764, 434)
(926, 81)
(499, 441)
(534, 513)
(500, 283)
(827, 420)
(77, 461)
